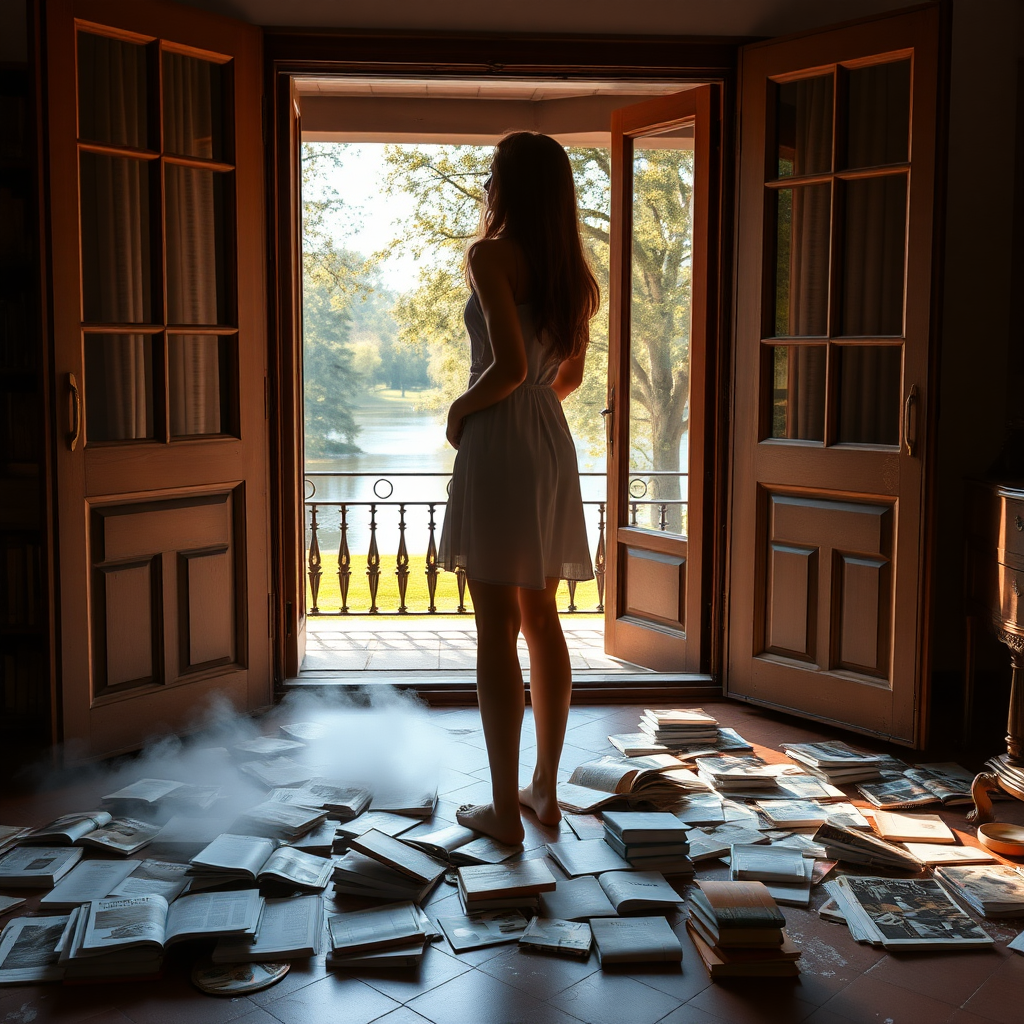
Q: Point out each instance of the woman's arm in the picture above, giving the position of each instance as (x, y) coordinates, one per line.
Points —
(569, 376)
(492, 268)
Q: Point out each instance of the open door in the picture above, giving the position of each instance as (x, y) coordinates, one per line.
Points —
(832, 377)
(156, 197)
(663, 230)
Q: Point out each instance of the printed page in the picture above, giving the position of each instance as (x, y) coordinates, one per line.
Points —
(607, 774)
(295, 866)
(214, 913)
(28, 950)
(116, 923)
(286, 926)
(230, 852)
(72, 826)
(90, 880)
(122, 835)
(153, 878)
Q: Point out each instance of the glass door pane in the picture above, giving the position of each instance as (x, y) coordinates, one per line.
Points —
(659, 407)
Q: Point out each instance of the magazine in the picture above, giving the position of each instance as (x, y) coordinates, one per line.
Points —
(88, 880)
(36, 867)
(487, 928)
(563, 938)
(154, 877)
(994, 890)
(28, 949)
(289, 929)
(252, 859)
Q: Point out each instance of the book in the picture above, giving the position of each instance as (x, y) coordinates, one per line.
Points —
(586, 857)
(305, 732)
(719, 962)
(766, 863)
(233, 858)
(630, 891)
(265, 747)
(636, 744)
(630, 940)
(507, 884)
(377, 928)
(9, 903)
(148, 925)
(412, 801)
(633, 777)
(942, 853)
(912, 828)
(407, 954)
(319, 840)
(701, 809)
(905, 914)
(154, 877)
(36, 867)
(382, 821)
(712, 844)
(585, 826)
(796, 892)
(895, 793)
(949, 781)
(439, 842)
(735, 771)
(861, 848)
(792, 813)
(275, 819)
(358, 875)
(278, 772)
(289, 929)
(28, 949)
(121, 835)
(830, 754)
(1017, 945)
(561, 938)
(143, 793)
(342, 802)
(68, 828)
(11, 835)
(419, 866)
(738, 913)
(645, 826)
(87, 880)
(576, 899)
(482, 929)
(484, 850)
(678, 724)
(641, 850)
(995, 890)
(728, 741)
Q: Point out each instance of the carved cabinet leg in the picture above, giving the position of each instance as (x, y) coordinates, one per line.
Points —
(1015, 719)
(985, 783)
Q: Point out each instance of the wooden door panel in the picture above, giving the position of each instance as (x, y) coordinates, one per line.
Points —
(655, 588)
(128, 625)
(791, 601)
(209, 602)
(862, 587)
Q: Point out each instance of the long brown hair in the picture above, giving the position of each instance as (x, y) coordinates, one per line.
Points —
(532, 200)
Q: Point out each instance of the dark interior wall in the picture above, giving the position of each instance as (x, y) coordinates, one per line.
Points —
(13, 31)
(981, 286)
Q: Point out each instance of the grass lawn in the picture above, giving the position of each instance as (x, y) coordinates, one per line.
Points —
(446, 596)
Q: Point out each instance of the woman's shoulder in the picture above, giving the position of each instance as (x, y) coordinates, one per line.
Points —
(495, 252)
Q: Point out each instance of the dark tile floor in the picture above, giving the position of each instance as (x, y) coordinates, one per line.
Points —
(840, 981)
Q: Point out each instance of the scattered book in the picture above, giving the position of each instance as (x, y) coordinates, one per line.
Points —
(485, 850)
(586, 857)
(342, 802)
(87, 880)
(992, 890)
(408, 954)
(835, 760)
(142, 794)
(154, 877)
(855, 847)
(912, 828)
(382, 821)
(416, 803)
(895, 793)
(636, 778)
(254, 859)
(678, 725)
(631, 827)
(700, 809)
(501, 886)
(737, 962)
(796, 892)
(577, 899)
(9, 903)
(942, 853)
(586, 826)
(631, 891)
(28, 949)
(265, 747)
(319, 841)
(712, 844)
(766, 863)
(36, 867)
(275, 819)
(728, 741)
(730, 771)
(636, 744)
(905, 914)
(459, 845)
(949, 782)
(289, 929)
(358, 875)
(68, 828)
(793, 813)
(377, 928)
(485, 928)
(278, 772)
(631, 940)
(561, 938)
(11, 835)
(419, 866)
(121, 835)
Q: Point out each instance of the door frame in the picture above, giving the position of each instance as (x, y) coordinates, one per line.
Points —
(288, 55)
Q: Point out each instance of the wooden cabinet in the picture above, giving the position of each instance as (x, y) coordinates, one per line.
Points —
(995, 580)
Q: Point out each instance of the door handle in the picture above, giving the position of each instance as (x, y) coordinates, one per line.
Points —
(609, 421)
(908, 409)
(76, 412)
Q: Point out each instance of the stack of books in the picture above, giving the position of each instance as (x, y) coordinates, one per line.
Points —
(275, 819)
(679, 727)
(836, 761)
(503, 886)
(337, 800)
(355, 874)
(785, 872)
(649, 840)
(739, 931)
(418, 867)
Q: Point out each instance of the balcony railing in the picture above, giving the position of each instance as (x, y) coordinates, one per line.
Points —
(346, 524)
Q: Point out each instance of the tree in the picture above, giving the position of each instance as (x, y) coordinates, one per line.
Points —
(446, 183)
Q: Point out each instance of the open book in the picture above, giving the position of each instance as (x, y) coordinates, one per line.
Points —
(232, 858)
(289, 929)
(609, 779)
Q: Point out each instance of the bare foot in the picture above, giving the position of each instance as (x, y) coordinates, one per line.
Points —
(542, 801)
(484, 818)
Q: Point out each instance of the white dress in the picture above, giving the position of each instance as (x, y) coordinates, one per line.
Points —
(514, 513)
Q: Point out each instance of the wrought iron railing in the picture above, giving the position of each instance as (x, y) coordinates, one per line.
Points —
(353, 524)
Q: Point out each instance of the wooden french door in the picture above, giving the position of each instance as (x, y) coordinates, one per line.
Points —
(663, 229)
(832, 387)
(156, 200)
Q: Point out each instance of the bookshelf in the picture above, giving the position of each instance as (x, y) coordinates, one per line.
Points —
(25, 633)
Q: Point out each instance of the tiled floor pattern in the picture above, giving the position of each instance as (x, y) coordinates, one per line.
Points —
(448, 645)
(840, 982)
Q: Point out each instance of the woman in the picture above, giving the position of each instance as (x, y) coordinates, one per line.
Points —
(514, 520)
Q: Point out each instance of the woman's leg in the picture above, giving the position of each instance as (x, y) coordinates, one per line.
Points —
(550, 692)
(499, 688)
